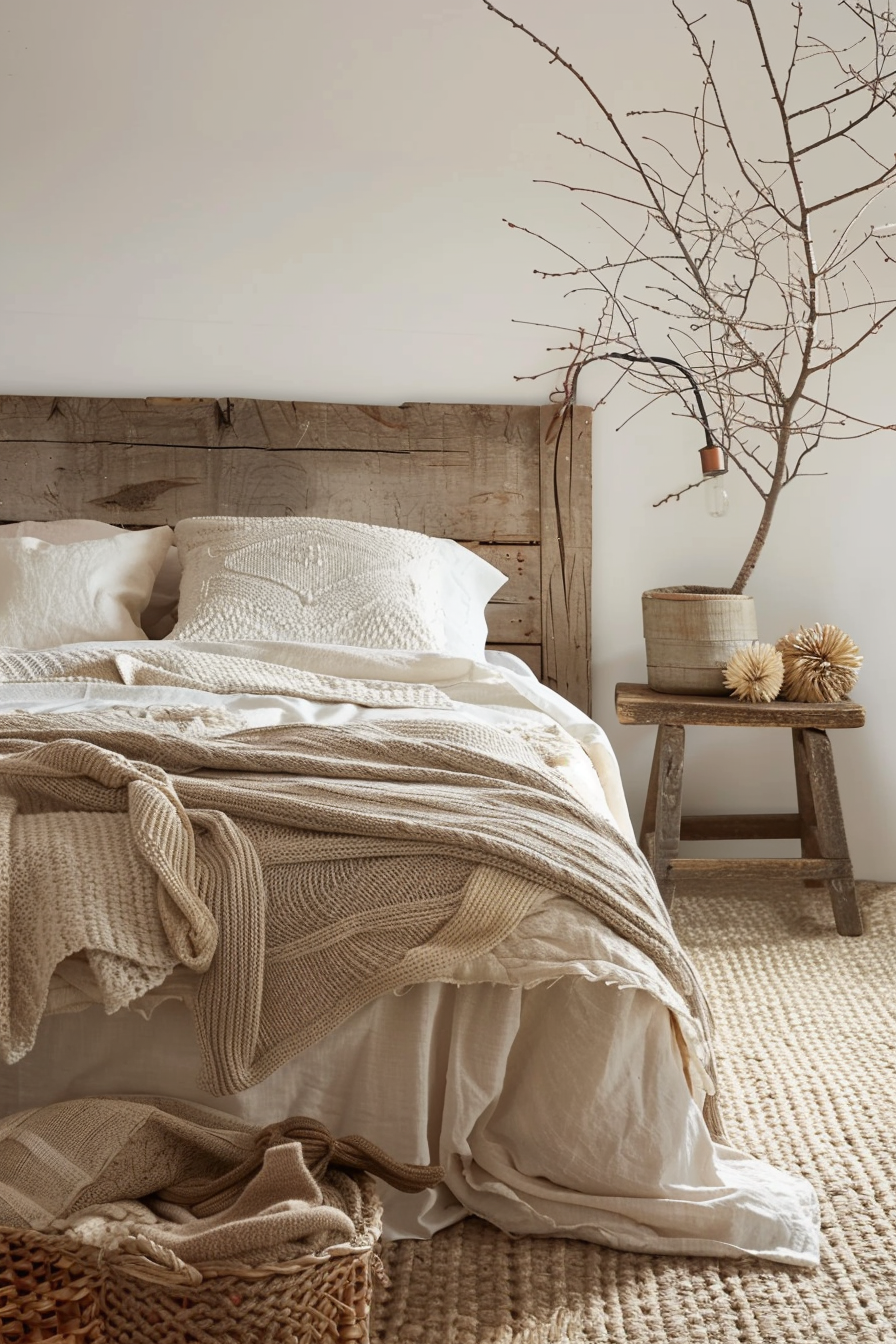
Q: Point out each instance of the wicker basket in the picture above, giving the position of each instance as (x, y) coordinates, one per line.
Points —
(46, 1294)
(54, 1292)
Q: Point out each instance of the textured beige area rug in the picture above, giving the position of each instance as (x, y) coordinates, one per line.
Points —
(806, 1025)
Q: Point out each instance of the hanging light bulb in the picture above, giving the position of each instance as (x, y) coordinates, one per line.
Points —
(715, 469)
(715, 496)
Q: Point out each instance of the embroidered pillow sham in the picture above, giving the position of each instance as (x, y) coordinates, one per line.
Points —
(52, 593)
(328, 581)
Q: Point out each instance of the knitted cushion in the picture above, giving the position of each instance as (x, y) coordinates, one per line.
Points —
(323, 581)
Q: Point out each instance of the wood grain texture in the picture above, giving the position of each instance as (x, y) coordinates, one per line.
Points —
(670, 774)
(809, 846)
(514, 613)
(224, 422)
(637, 703)
(756, 870)
(743, 826)
(818, 824)
(648, 821)
(566, 552)
(831, 833)
(492, 477)
(467, 472)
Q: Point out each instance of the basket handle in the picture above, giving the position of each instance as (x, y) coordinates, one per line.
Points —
(143, 1258)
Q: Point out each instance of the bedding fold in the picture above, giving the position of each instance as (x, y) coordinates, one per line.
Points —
(218, 672)
(333, 863)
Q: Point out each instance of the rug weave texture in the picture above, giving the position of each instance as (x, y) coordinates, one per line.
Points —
(806, 1024)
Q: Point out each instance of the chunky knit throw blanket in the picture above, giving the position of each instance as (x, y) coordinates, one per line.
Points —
(299, 871)
(182, 1184)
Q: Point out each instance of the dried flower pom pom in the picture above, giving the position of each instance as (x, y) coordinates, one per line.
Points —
(755, 673)
(821, 664)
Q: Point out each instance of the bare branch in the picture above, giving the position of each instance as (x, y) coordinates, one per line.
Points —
(888, 176)
(866, 335)
(677, 494)
(716, 245)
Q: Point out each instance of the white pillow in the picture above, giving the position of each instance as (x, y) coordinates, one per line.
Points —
(52, 593)
(61, 532)
(160, 613)
(325, 581)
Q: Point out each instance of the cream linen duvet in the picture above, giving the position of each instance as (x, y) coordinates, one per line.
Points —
(538, 1063)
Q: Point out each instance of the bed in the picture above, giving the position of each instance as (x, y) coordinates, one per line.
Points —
(558, 1067)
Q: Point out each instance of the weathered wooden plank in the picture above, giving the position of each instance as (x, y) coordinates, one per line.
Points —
(742, 826)
(756, 870)
(236, 422)
(648, 821)
(521, 564)
(639, 704)
(513, 624)
(471, 472)
(670, 773)
(831, 831)
(198, 422)
(514, 614)
(443, 494)
(566, 552)
(809, 846)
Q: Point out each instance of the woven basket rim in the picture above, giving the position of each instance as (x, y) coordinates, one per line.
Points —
(692, 592)
(138, 1266)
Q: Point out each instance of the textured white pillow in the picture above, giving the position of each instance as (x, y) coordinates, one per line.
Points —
(160, 612)
(52, 593)
(325, 581)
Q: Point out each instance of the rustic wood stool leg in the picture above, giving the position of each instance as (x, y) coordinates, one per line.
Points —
(830, 829)
(809, 847)
(648, 823)
(669, 774)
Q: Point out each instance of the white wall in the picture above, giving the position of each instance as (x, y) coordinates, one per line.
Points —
(297, 199)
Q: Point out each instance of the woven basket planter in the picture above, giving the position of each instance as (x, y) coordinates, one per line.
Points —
(56, 1292)
(691, 633)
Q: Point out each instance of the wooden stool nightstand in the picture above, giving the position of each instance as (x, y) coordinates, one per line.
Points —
(817, 824)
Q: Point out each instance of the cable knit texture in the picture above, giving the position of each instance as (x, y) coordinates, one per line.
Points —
(302, 871)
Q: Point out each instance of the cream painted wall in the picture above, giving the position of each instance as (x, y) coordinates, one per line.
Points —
(296, 199)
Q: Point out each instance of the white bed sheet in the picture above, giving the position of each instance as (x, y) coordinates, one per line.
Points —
(545, 1076)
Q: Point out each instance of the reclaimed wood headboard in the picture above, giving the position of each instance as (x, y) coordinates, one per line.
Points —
(512, 482)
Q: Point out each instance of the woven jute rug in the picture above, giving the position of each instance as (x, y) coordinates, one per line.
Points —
(806, 1026)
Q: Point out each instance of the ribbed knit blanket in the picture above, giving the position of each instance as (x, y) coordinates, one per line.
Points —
(300, 871)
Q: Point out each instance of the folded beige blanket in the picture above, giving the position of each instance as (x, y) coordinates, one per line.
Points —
(223, 674)
(300, 871)
(184, 1184)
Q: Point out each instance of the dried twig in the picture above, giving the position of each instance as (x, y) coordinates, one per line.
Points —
(728, 239)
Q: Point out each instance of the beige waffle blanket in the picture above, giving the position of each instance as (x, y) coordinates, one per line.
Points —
(299, 871)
